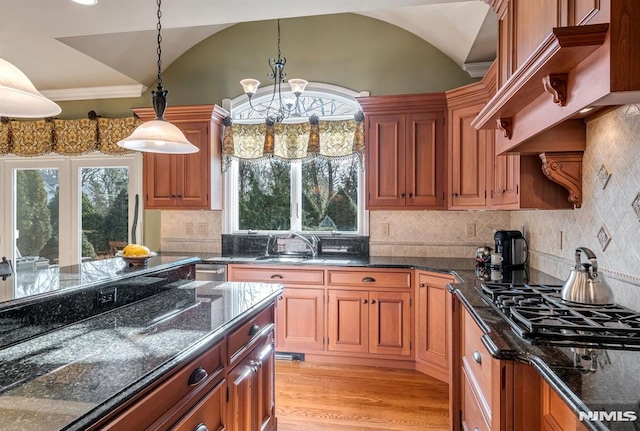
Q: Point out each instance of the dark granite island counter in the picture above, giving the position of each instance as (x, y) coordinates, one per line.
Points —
(72, 372)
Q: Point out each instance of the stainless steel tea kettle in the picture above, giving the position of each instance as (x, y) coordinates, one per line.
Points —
(584, 284)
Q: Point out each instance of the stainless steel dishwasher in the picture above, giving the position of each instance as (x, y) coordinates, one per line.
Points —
(211, 272)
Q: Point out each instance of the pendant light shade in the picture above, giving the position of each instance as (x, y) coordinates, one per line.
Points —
(19, 97)
(158, 135)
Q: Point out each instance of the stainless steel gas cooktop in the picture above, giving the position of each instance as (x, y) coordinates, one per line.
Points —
(537, 314)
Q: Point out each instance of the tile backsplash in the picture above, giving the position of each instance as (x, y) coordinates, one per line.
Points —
(191, 231)
(613, 140)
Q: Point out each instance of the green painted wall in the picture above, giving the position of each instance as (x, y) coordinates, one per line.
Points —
(349, 50)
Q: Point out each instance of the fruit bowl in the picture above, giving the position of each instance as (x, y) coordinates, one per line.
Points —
(137, 260)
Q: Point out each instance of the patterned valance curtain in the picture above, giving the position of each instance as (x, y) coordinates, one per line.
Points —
(293, 142)
(65, 137)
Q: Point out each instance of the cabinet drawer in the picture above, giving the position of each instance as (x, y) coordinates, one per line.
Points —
(477, 360)
(472, 417)
(270, 274)
(208, 412)
(173, 396)
(243, 336)
(368, 279)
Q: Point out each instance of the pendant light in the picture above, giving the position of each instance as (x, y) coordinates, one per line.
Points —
(159, 135)
(19, 97)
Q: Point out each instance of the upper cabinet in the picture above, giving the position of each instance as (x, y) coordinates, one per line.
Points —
(186, 181)
(556, 57)
(405, 156)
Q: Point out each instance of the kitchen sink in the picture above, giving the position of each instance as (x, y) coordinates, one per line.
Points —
(282, 259)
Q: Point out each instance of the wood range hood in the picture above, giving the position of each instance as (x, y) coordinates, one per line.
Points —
(587, 63)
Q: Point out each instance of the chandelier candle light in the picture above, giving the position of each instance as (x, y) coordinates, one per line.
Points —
(158, 135)
(285, 106)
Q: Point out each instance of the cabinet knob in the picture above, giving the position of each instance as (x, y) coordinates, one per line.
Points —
(198, 375)
(276, 277)
(254, 330)
(179, 196)
(421, 285)
(455, 195)
(254, 366)
(173, 196)
(373, 301)
(477, 357)
(203, 427)
(364, 301)
(476, 429)
(280, 298)
(410, 195)
(368, 280)
(402, 195)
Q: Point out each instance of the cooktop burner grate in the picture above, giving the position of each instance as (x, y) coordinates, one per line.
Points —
(537, 313)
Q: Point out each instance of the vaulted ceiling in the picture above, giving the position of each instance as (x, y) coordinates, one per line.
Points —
(66, 48)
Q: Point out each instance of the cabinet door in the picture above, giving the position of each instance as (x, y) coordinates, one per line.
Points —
(505, 179)
(425, 164)
(266, 386)
(209, 412)
(385, 161)
(242, 411)
(469, 160)
(300, 320)
(433, 324)
(348, 321)
(159, 180)
(193, 175)
(390, 323)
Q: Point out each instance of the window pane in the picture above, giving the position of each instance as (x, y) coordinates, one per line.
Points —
(330, 195)
(36, 218)
(264, 195)
(105, 211)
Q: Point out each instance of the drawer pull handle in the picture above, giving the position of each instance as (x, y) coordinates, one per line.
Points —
(368, 280)
(421, 285)
(477, 357)
(198, 375)
(277, 276)
(203, 427)
(254, 330)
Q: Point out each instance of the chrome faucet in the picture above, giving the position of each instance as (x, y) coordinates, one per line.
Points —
(312, 244)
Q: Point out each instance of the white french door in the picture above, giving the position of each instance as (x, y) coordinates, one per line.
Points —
(64, 210)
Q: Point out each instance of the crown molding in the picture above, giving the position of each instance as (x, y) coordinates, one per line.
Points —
(89, 93)
(477, 70)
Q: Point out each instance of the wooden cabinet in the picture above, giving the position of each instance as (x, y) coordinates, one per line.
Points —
(556, 414)
(186, 181)
(405, 159)
(300, 308)
(470, 159)
(251, 390)
(209, 414)
(433, 324)
(300, 320)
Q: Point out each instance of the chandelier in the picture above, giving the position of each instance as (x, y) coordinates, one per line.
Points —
(280, 106)
(159, 135)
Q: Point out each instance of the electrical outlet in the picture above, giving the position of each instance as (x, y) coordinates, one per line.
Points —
(202, 228)
(106, 297)
(471, 230)
(385, 229)
(188, 228)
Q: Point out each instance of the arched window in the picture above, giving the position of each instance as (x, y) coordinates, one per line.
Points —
(320, 195)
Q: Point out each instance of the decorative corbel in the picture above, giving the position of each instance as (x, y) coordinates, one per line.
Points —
(556, 85)
(506, 126)
(566, 170)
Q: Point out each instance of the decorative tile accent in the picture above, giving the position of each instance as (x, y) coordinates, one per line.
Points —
(603, 175)
(636, 205)
(604, 237)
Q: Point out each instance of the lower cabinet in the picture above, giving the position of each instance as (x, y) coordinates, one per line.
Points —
(369, 322)
(433, 324)
(251, 391)
(556, 415)
(300, 317)
(208, 414)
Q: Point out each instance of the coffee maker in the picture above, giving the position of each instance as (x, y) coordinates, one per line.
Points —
(513, 247)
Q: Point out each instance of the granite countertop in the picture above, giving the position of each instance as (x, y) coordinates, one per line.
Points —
(69, 377)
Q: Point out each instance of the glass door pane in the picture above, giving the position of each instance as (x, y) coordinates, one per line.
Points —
(104, 217)
(36, 227)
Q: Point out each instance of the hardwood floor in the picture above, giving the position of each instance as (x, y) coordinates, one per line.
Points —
(318, 397)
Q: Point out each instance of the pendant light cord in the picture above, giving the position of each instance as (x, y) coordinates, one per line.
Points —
(159, 49)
